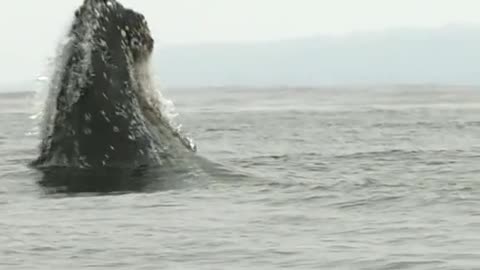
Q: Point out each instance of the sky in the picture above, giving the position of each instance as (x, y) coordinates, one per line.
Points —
(31, 29)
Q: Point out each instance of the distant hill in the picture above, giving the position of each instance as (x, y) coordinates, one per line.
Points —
(449, 55)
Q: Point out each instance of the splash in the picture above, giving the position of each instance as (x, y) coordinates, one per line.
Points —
(46, 88)
(155, 105)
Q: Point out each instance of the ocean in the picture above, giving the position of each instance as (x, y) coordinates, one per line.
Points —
(383, 177)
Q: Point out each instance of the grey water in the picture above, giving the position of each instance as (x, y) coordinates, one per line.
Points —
(341, 178)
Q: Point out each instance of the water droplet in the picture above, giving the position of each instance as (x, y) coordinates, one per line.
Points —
(116, 129)
(36, 116)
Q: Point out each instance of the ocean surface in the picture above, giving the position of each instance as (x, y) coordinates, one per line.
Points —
(332, 178)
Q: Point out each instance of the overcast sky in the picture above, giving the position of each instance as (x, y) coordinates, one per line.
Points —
(30, 28)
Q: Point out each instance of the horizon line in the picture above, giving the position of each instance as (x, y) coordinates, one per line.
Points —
(463, 25)
(346, 86)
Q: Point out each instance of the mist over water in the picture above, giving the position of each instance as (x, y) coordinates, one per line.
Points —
(363, 178)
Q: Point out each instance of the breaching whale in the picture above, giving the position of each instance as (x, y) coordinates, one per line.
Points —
(103, 125)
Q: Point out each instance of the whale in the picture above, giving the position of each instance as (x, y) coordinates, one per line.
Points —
(104, 125)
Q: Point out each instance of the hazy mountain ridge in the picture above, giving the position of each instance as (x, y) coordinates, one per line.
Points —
(448, 55)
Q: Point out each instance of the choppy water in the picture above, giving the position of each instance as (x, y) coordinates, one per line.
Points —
(366, 178)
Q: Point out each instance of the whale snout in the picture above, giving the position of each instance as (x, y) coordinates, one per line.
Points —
(93, 2)
(150, 44)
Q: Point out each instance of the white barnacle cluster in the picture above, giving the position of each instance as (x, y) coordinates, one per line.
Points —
(104, 115)
(87, 131)
(83, 161)
(124, 41)
(120, 110)
(109, 4)
(88, 117)
(110, 152)
(102, 43)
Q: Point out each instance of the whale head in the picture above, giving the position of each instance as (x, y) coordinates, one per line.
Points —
(104, 127)
(114, 26)
(94, 116)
